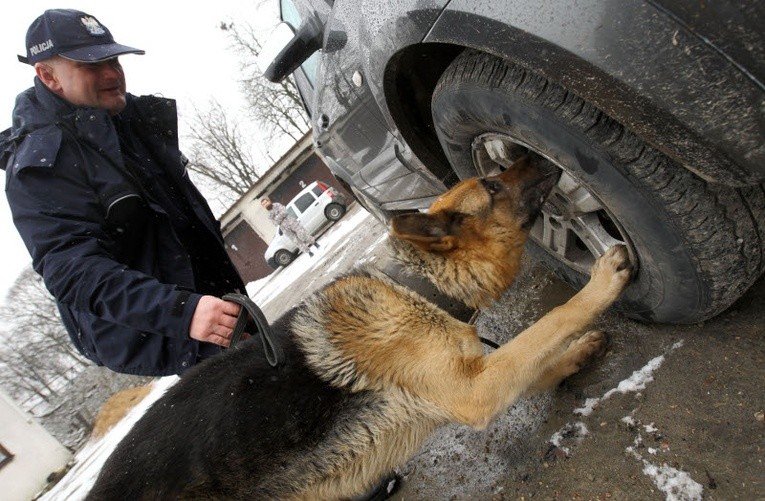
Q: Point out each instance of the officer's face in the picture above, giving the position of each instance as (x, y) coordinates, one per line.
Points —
(98, 85)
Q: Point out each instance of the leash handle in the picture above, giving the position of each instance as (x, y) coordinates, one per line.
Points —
(273, 352)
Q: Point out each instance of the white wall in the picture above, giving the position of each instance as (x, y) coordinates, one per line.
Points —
(257, 217)
(36, 454)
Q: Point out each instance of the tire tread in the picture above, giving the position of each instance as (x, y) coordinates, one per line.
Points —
(723, 227)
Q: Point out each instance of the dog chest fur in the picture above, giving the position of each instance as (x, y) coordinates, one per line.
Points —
(366, 332)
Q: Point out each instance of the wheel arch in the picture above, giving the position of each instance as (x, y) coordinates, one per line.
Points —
(412, 73)
(410, 78)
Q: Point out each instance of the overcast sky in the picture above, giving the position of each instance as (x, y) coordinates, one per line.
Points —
(187, 58)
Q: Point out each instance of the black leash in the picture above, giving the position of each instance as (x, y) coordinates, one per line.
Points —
(397, 272)
(488, 342)
(424, 287)
(249, 310)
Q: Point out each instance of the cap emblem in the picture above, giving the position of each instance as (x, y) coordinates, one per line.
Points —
(93, 26)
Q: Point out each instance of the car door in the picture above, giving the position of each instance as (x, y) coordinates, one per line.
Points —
(309, 214)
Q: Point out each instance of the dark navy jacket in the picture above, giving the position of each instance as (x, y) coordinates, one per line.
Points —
(125, 284)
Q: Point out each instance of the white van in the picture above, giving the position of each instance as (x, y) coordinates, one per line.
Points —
(316, 207)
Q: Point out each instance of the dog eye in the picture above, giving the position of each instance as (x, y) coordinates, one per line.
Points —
(493, 187)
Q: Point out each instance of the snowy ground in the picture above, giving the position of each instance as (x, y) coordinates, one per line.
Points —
(670, 412)
(352, 240)
(88, 460)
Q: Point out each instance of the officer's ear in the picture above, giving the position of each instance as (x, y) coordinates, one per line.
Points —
(46, 72)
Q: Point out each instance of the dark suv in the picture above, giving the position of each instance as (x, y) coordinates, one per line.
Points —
(653, 110)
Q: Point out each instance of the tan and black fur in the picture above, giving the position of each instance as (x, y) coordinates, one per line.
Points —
(372, 368)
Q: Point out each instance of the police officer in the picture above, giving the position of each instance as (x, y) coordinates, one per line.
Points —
(100, 194)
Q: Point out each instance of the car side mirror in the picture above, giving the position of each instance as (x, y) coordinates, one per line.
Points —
(285, 51)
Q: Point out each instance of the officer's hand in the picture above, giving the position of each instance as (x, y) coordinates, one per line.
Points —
(214, 321)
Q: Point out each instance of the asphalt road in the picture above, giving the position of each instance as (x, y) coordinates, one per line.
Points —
(669, 412)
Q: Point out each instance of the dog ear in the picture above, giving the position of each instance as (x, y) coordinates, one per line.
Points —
(430, 232)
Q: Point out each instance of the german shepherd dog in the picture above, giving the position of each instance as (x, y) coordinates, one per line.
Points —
(371, 369)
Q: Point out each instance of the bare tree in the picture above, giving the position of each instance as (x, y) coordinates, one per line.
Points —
(22, 377)
(276, 107)
(220, 153)
(36, 351)
(41, 369)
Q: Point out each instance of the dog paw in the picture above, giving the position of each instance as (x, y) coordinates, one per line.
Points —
(581, 351)
(578, 354)
(612, 271)
(592, 344)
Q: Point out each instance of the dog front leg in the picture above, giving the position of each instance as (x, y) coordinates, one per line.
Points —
(579, 352)
(550, 349)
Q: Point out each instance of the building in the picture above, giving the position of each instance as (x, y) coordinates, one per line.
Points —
(245, 226)
(28, 453)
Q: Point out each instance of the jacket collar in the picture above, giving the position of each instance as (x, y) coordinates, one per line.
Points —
(35, 108)
(38, 107)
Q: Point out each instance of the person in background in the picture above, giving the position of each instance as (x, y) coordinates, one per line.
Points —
(100, 194)
(295, 231)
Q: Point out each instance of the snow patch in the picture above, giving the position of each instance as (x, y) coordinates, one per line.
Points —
(638, 381)
(629, 421)
(677, 485)
(576, 431)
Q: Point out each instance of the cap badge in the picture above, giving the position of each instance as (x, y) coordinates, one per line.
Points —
(93, 27)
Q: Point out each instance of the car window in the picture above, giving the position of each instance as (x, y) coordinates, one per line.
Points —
(317, 190)
(305, 201)
(291, 16)
(292, 212)
(309, 68)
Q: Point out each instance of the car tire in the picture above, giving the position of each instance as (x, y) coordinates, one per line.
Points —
(697, 246)
(283, 257)
(334, 211)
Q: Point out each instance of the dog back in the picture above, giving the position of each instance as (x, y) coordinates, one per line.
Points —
(234, 443)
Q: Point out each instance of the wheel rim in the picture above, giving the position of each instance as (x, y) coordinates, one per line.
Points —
(283, 258)
(334, 213)
(574, 225)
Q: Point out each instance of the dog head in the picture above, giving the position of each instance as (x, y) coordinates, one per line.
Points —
(470, 241)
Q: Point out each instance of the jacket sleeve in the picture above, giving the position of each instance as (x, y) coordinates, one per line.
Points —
(63, 226)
